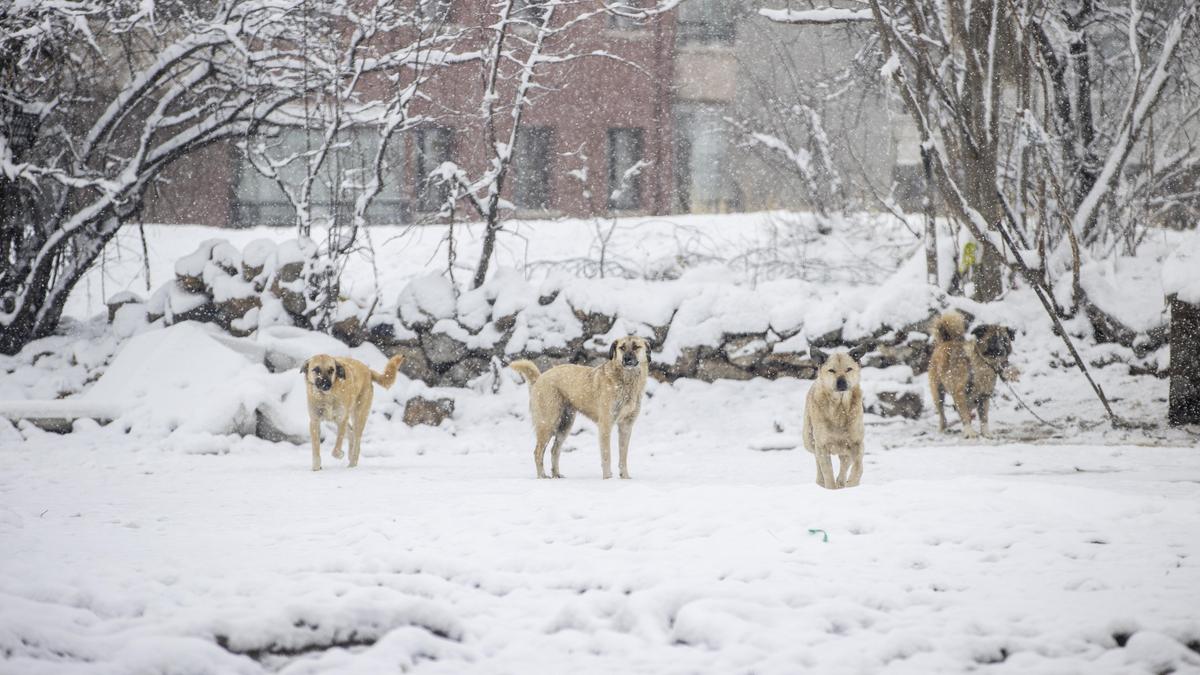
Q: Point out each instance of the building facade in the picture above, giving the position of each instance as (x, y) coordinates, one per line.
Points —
(603, 137)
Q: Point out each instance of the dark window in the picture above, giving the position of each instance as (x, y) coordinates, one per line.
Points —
(529, 10)
(624, 169)
(531, 164)
(434, 11)
(261, 200)
(432, 150)
(619, 22)
(706, 21)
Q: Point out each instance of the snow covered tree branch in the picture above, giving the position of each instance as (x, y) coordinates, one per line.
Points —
(99, 97)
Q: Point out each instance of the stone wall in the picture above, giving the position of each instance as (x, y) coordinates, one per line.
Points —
(450, 338)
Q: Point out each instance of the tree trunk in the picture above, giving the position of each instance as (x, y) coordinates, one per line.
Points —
(1183, 405)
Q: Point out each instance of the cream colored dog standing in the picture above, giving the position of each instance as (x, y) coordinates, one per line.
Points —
(340, 391)
(610, 394)
(833, 417)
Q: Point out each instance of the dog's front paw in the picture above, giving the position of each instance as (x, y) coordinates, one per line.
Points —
(607, 475)
(625, 475)
(338, 454)
(316, 468)
(558, 475)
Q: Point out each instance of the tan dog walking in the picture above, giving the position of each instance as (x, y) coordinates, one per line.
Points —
(609, 394)
(833, 417)
(967, 369)
(340, 390)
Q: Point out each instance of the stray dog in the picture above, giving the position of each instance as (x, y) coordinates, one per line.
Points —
(833, 417)
(607, 394)
(967, 370)
(340, 391)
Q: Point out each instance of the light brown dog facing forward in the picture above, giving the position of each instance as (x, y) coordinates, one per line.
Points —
(607, 394)
(833, 417)
(967, 369)
(340, 391)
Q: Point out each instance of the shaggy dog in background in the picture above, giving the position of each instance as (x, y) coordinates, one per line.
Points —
(967, 369)
(607, 394)
(340, 391)
(833, 417)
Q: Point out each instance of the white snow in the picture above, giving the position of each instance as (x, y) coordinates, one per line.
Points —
(171, 541)
(441, 553)
(1181, 271)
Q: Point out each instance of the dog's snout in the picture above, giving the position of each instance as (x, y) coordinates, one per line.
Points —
(324, 383)
(630, 360)
(841, 384)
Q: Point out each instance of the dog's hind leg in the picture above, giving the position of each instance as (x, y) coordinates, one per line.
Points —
(314, 430)
(560, 436)
(983, 418)
(539, 450)
(939, 404)
(843, 466)
(337, 445)
(624, 431)
(964, 413)
(356, 433)
(856, 470)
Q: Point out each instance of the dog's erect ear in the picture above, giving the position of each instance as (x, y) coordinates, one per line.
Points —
(817, 355)
(341, 371)
(1012, 334)
(860, 351)
(978, 331)
(304, 369)
(612, 350)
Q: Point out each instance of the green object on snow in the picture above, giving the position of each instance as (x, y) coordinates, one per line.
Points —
(824, 534)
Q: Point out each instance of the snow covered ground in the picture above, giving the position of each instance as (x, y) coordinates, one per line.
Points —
(132, 548)
(442, 553)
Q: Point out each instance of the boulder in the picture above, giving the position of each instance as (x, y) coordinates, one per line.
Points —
(415, 366)
(464, 371)
(441, 349)
(420, 410)
(119, 300)
(746, 351)
(712, 367)
(906, 404)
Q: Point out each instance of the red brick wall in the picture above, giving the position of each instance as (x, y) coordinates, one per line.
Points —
(587, 98)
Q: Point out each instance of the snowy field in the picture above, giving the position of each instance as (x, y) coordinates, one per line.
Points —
(441, 552)
(1069, 548)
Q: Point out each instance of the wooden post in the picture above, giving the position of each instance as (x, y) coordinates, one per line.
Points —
(1183, 405)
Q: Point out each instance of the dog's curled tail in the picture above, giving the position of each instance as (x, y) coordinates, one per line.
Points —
(527, 369)
(948, 327)
(388, 377)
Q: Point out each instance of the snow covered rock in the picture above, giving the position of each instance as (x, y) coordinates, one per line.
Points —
(186, 378)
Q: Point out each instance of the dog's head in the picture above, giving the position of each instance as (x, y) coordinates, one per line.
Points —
(994, 342)
(629, 352)
(840, 371)
(321, 371)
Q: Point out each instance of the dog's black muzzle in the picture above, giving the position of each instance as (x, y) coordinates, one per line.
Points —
(841, 384)
(324, 384)
(994, 349)
(629, 361)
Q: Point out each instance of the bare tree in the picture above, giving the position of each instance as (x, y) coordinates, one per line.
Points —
(99, 97)
(1002, 94)
(526, 44)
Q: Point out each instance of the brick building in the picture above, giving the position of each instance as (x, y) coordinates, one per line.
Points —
(600, 117)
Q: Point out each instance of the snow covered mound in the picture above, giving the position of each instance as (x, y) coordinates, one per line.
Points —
(1181, 273)
(192, 378)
